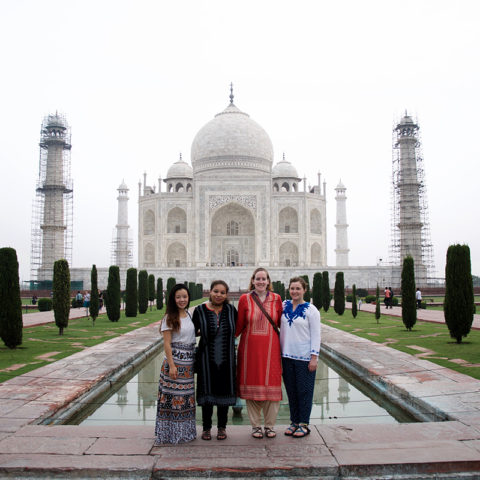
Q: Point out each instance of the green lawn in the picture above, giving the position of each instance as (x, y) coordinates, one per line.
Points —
(42, 345)
(434, 337)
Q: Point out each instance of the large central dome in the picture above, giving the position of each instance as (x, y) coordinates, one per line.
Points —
(231, 141)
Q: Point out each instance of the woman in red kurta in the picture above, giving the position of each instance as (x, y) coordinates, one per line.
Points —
(259, 368)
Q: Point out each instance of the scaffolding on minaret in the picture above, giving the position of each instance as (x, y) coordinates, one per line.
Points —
(52, 211)
(410, 225)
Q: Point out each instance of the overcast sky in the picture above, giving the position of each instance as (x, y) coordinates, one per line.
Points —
(326, 79)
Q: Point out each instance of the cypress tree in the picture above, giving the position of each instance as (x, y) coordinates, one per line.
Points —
(159, 293)
(11, 325)
(458, 305)
(94, 303)
(171, 282)
(193, 290)
(307, 295)
(325, 291)
(317, 290)
(131, 294)
(61, 294)
(409, 303)
(377, 304)
(113, 297)
(282, 291)
(339, 294)
(142, 291)
(151, 290)
(354, 301)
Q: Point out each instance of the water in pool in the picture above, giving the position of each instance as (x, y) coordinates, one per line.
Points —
(335, 400)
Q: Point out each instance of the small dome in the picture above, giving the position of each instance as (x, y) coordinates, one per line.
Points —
(284, 169)
(340, 186)
(180, 169)
(56, 121)
(123, 186)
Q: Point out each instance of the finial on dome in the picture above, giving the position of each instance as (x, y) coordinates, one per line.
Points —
(180, 156)
(283, 156)
(231, 93)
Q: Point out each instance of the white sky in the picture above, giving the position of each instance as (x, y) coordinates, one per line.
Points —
(325, 79)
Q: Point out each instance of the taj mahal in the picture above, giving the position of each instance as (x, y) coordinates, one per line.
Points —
(231, 209)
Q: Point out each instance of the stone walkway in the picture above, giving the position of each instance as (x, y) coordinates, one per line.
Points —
(446, 448)
(41, 318)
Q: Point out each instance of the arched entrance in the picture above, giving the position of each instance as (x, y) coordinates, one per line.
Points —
(232, 236)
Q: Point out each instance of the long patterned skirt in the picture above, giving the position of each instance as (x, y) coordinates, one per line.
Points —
(176, 399)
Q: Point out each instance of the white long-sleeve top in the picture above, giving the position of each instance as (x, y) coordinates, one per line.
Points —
(300, 331)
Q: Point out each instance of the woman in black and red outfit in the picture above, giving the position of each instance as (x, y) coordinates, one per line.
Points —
(215, 366)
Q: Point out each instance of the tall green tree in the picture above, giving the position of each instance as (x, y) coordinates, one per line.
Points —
(377, 304)
(317, 290)
(171, 282)
(325, 291)
(131, 294)
(339, 294)
(159, 293)
(458, 307)
(409, 303)
(354, 301)
(142, 291)
(94, 302)
(113, 297)
(61, 294)
(11, 325)
(151, 290)
(307, 295)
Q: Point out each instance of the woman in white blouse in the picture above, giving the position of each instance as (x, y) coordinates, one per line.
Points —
(300, 344)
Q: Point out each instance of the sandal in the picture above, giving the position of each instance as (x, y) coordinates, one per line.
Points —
(291, 430)
(301, 431)
(257, 432)
(206, 435)
(221, 433)
(270, 433)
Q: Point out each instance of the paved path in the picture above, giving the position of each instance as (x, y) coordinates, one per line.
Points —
(41, 318)
(438, 449)
(435, 316)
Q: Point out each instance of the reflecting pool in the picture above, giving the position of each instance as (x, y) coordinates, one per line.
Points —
(337, 399)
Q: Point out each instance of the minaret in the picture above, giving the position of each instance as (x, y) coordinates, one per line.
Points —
(122, 251)
(408, 188)
(53, 208)
(341, 226)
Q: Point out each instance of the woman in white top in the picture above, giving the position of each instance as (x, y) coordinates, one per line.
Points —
(176, 389)
(300, 344)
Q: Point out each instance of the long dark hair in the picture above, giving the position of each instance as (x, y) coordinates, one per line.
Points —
(172, 313)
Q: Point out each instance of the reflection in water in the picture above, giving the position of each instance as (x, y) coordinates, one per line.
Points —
(335, 400)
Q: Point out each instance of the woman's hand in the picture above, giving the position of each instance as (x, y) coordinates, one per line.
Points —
(312, 365)
(173, 372)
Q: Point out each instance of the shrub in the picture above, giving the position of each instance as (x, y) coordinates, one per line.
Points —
(113, 297)
(171, 282)
(354, 301)
(317, 290)
(159, 293)
(325, 291)
(395, 301)
(61, 294)
(377, 304)
(151, 289)
(142, 291)
(131, 293)
(192, 288)
(409, 308)
(459, 304)
(362, 292)
(45, 304)
(94, 302)
(76, 303)
(370, 298)
(339, 294)
(11, 325)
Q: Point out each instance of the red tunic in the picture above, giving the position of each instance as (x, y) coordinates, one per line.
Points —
(259, 367)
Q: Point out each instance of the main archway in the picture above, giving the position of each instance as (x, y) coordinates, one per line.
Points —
(232, 236)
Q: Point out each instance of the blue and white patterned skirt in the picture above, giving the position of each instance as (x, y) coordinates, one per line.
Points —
(176, 398)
